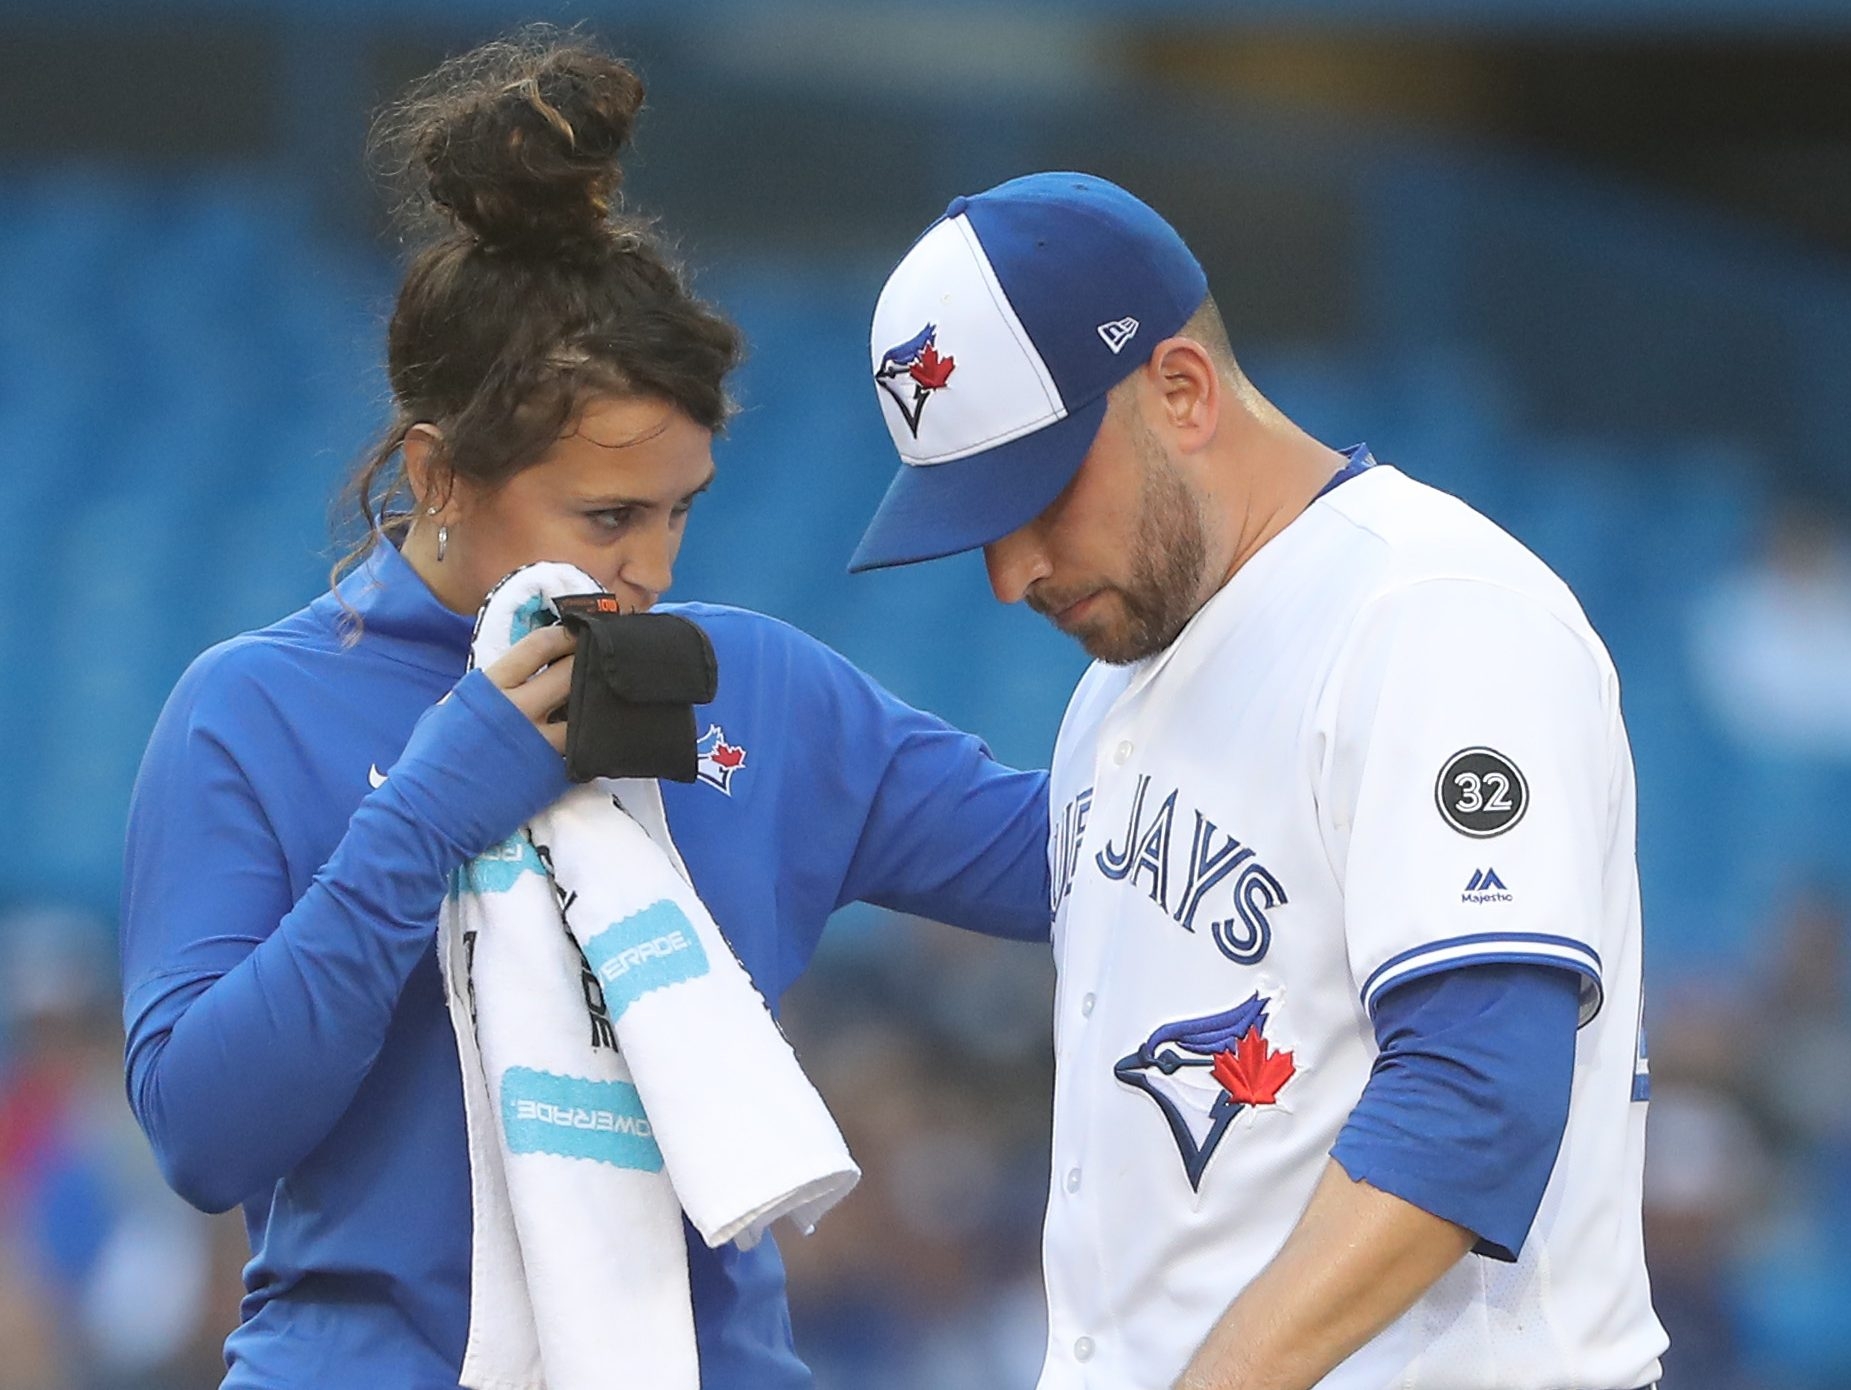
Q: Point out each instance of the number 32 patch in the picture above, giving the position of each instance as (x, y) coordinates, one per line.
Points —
(1481, 793)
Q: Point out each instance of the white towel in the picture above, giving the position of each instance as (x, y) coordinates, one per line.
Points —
(619, 1068)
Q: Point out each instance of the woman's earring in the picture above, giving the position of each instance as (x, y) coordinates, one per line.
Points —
(443, 542)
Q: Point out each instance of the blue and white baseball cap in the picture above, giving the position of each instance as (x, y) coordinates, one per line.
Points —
(994, 344)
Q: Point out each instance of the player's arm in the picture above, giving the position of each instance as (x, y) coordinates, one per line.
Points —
(1356, 1261)
(252, 1020)
(1449, 1150)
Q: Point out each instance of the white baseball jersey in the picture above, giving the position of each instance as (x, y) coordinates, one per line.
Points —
(1390, 745)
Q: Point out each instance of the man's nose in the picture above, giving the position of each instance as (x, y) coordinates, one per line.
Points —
(1015, 562)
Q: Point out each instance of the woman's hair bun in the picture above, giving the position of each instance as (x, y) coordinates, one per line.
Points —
(518, 141)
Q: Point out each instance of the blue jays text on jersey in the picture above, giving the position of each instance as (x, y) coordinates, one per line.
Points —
(1178, 871)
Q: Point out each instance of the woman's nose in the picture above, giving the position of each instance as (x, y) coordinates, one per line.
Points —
(649, 564)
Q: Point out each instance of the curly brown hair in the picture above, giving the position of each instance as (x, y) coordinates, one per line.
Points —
(529, 291)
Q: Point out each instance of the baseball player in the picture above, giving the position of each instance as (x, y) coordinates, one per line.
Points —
(1350, 1078)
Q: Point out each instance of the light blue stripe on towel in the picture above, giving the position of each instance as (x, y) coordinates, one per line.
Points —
(647, 950)
(577, 1118)
(497, 869)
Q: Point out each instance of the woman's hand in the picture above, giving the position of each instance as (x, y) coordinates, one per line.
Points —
(470, 770)
(536, 675)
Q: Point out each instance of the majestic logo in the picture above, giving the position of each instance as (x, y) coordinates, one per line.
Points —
(1481, 793)
(911, 372)
(1117, 333)
(1485, 887)
(1202, 1072)
(719, 760)
(374, 777)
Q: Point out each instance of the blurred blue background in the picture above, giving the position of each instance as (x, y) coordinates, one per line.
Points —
(1585, 262)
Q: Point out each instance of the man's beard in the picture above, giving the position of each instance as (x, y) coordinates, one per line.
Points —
(1169, 552)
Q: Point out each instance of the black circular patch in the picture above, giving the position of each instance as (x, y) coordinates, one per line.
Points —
(1481, 793)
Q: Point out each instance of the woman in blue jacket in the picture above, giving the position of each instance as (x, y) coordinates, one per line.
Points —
(304, 796)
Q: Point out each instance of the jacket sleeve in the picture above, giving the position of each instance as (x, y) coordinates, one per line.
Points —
(946, 831)
(252, 1019)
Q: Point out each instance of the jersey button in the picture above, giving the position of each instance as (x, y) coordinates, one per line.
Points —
(1073, 1180)
(1086, 1005)
(1083, 1349)
(1122, 754)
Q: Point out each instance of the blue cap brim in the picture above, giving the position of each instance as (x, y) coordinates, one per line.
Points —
(938, 509)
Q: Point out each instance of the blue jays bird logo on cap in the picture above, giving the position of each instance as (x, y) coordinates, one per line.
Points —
(1202, 1072)
(911, 372)
(1044, 286)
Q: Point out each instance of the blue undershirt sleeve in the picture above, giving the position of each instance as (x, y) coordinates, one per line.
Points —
(252, 1019)
(1465, 1108)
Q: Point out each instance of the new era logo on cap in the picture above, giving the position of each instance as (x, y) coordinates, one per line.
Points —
(985, 352)
(1117, 333)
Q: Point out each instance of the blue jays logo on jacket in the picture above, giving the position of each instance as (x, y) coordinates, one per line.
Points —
(911, 372)
(1202, 1072)
(720, 761)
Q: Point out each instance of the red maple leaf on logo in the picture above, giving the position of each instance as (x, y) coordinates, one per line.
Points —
(932, 371)
(1253, 1072)
(728, 755)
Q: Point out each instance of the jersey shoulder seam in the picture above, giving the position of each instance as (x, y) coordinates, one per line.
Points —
(1581, 631)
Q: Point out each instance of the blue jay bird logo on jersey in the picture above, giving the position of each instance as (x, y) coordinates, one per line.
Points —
(719, 761)
(911, 372)
(1202, 1072)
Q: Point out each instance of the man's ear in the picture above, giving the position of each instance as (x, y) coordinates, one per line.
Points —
(426, 469)
(1188, 392)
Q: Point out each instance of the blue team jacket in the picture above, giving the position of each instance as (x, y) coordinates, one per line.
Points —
(288, 1049)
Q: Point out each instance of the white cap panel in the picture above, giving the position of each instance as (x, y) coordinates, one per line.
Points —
(953, 366)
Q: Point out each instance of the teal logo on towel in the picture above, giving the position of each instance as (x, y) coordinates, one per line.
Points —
(497, 870)
(544, 1113)
(526, 618)
(647, 950)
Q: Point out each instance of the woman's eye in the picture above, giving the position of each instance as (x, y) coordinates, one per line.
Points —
(614, 518)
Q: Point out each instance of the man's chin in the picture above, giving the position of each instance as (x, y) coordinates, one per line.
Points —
(1119, 643)
(1113, 646)
(1109, 632)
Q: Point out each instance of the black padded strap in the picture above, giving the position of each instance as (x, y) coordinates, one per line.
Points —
(635, 682)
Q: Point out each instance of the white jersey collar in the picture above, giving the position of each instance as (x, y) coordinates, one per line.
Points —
(1244, 591)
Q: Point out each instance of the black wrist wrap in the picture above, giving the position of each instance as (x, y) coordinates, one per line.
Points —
(635, 683)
